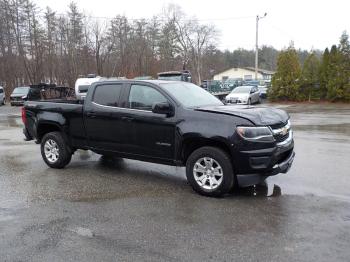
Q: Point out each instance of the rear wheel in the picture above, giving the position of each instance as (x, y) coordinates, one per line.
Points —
(209, 171)
(55, 151)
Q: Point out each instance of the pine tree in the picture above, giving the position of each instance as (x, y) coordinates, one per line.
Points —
(334, 90)
(310, 76)
(286, 81)
(324, 75)
(344, 66)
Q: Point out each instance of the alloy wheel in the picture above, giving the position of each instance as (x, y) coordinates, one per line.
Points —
(208, 173)
(51, 151)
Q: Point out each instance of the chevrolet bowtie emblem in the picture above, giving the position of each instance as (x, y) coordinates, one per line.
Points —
(284, 131)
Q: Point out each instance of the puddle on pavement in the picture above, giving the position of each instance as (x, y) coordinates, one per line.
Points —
(261, 190)
(11, 121)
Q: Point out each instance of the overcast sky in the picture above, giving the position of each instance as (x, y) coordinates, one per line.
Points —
(309, 23)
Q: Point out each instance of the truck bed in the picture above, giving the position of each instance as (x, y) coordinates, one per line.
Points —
(67, 113)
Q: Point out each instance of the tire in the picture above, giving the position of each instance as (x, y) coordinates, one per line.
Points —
(11, 104)
(224, 179)
(60, 152)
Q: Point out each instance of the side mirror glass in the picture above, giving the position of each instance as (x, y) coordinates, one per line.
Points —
(163, 108)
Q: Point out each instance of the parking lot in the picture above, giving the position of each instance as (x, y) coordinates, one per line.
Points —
(123, 210)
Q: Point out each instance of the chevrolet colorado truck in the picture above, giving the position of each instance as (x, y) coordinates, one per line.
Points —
(166, 122)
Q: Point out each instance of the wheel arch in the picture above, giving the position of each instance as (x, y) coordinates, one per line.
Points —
(45, 127)
(191, 144)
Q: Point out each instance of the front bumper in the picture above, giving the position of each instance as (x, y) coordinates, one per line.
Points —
(238, 102)
(269, 161)
(17, 102)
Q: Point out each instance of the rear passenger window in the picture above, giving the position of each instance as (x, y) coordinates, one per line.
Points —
(1, 91)
(107, 95)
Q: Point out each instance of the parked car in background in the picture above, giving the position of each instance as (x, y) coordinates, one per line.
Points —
(211, 85)
(263, 91)
(244, 95)
(24, 93)
(232, 83)
(2, 96)
(261, 84)
(184, 76)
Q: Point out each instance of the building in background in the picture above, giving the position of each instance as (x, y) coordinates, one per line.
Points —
(244, 73)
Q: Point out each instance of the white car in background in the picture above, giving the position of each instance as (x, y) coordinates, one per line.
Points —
(2, 96)
(244, 95)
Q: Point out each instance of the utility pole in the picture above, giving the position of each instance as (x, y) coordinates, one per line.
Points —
(256, 44)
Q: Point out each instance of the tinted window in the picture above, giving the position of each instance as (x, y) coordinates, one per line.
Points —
(190, 95)
(83, 88)
(20, 91)
(1, 91)
(143, 97)
(107, 95)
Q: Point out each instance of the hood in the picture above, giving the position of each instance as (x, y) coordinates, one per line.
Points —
(259, 115)
(18, 95)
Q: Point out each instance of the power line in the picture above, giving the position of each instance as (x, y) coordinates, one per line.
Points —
(165, 19)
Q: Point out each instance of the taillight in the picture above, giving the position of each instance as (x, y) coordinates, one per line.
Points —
(24, 116)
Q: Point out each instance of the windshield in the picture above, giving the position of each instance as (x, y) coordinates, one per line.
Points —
(170, 77)
(21, 90)
(190, 95)
(242, 89)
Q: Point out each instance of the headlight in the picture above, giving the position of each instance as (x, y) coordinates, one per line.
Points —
(262, 134)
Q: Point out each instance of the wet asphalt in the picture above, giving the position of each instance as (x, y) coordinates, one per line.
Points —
(101, 210)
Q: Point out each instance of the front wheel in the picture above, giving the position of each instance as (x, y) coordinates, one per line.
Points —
(209, 171)
(55, 151)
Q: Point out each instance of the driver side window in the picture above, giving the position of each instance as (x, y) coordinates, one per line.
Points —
(143, 97)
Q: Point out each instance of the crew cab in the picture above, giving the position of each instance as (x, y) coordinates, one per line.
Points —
(166, 122)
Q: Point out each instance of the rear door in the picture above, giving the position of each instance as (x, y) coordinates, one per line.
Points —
(104, 126)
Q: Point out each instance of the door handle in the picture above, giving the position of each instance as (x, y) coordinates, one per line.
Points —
(91, 115)
(127, 118)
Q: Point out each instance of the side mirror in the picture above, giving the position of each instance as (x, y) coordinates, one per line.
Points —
(163, 108)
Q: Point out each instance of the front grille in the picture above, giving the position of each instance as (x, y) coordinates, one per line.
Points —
(280, 137)
(281, 131)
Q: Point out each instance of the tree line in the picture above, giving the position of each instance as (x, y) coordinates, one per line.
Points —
(325, 77)
(44, 46)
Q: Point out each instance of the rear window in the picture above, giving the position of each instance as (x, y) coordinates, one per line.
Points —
(83, 88)
(107, 95)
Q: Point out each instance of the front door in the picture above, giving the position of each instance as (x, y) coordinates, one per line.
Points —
(153, 135)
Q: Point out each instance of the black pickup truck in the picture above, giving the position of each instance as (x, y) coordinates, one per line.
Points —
(166, 122)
